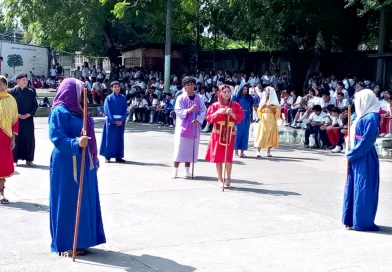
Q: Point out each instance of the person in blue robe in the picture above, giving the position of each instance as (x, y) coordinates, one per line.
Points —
(65, 126)
(115, 109)
(243, 97)
(362, 188)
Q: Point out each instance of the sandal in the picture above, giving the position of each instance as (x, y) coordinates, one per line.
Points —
(3, 200)
(227, 183)
(243, 156)
(68, 253)
(220, 184)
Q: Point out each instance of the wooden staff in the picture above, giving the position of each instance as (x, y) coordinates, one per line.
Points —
(81, 179)
(194, 142)
(348, 140)
(226, 147)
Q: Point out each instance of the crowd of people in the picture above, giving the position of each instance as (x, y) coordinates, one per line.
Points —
(322, 108)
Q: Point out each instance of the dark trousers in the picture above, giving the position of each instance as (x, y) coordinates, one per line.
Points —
(341, 139)
(291, 114)
(312, 130)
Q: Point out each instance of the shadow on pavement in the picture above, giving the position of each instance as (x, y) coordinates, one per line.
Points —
(141, 163)
(101, 257)
(26, 206)
(384, 230)
(240, 181)
(285, 159)
(262, 191)
(40, 167)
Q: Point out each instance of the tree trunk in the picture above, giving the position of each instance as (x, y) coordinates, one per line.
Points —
(111, 51)
(299, 64)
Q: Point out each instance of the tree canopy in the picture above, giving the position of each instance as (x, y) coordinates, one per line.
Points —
(103, 27)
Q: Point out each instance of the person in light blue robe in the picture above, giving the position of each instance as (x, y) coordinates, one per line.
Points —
(115, 108)
(65, 126)
(362, 188)
(243, 97)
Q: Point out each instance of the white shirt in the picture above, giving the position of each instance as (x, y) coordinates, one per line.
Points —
(53, 72)
(333, 84)
(266, 80)
(252, 81)
(314, 101)
(140, 104)
(297, 101)
(343, 104)
(324, 104)
(101, 73)
(384, 105)
(141, 85)
(85, 71)
(97, 86)
(345, 93)
(317, 118)
(289, 101)
(94, 73)
(78, 73)
(348, 82)
(206, 97)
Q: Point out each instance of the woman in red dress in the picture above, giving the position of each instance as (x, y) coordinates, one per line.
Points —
(8, 129)
(217, 115)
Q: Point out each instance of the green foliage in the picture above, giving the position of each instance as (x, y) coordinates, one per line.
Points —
(14, 61)
(369, 5)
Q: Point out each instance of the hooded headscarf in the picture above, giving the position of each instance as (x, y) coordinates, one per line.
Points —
(220, 99)
(8, 111)
(273, 98)
(69, 95)
(365, 102)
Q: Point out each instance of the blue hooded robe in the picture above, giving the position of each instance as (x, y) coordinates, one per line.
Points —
(361, 193)
(246, 102)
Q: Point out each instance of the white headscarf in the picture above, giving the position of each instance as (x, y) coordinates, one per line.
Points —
(273, 98)
(365, 102)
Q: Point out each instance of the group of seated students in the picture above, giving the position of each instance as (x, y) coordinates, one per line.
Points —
(324, 113)
(153, 108)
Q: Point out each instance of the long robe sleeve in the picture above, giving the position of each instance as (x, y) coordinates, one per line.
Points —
(202, 113)
(58, 135)
(124, 112)
(34, 106)
(238, 111)
(210, 113)
(106, 110)
(179, 110)
(366, 143)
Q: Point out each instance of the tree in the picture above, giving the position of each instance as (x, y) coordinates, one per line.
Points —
(14, 61)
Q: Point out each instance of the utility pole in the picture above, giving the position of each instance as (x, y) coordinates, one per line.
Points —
(168, 45)
(381, 49)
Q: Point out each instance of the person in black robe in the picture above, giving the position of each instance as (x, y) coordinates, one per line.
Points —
(27, 106)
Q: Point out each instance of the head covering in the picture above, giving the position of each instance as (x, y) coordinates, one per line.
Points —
(69, 95)
(273, 98)
(220, 99)
(247, 96)
(365, 102)
(114, 83)
(8, 111)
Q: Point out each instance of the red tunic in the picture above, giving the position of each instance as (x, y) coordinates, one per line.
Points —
(6, 157)
(217, 146)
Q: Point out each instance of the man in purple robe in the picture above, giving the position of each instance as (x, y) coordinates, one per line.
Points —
(190, 113)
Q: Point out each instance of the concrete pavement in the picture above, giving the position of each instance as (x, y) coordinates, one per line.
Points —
(283, 214)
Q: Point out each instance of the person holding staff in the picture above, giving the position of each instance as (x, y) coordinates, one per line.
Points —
(219, 145)
(190, 113)
(65, 126)
(363, 180)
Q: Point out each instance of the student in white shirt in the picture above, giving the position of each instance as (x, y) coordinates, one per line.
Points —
(94, 74)
(327, 100)
(138, 106)
(77, 73)
(85, 70)
(340, 89)
(266, 79)
(315, 121)
(101, 73)
(342, 103)
(53, 73)
(292, 112)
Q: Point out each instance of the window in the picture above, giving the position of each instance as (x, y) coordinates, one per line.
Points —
(132, 62)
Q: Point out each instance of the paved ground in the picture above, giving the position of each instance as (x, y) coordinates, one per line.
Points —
(283, 214)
